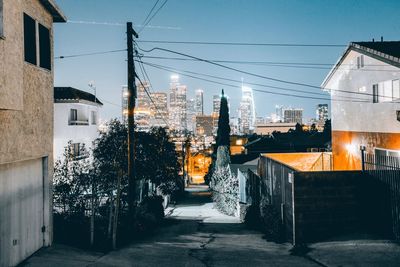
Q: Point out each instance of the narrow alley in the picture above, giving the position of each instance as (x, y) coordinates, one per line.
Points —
(196, 234)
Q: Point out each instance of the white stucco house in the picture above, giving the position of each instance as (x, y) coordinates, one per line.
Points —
(76, 119)
(365, 89)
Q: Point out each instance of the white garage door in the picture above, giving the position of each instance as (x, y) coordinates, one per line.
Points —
(21, 210)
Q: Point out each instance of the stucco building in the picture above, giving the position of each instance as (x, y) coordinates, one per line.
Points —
(76, 119)
(365, 110)
(26, 119)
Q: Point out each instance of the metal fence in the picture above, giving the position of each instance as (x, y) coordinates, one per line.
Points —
(386, 169)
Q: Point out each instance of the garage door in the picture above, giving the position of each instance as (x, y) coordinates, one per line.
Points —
(21, 210)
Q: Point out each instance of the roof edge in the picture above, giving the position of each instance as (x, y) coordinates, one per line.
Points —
(55, 11)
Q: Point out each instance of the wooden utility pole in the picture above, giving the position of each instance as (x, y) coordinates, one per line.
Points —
(131, 131)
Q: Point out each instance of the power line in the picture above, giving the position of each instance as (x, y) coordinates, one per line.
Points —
(90, 54)
(249, 73)
(237, 81)
(299, 65)
(241, 43)
(155, 13)
(257, 90)
(151, 10)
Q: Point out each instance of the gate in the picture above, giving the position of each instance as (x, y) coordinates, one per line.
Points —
(386, 169)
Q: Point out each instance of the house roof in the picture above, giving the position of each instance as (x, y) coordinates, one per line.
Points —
(55, 11)
(70, 94)
(385, 51)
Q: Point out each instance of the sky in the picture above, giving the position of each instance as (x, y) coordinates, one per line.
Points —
(100, 25)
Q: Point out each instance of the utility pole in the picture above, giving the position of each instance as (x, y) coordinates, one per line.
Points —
(130, 32)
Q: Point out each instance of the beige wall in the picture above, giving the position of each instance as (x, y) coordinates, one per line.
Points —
(27, 90)
(26, 131)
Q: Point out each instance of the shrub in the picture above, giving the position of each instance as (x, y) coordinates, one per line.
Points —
(149, 214)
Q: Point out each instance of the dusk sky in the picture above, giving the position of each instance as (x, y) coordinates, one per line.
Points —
(249, 21)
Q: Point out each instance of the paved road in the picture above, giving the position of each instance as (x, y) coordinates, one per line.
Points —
(196, 234)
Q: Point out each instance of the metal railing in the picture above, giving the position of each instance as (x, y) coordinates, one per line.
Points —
(386, 169)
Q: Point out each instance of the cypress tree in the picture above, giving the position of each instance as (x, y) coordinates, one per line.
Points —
(223, 123)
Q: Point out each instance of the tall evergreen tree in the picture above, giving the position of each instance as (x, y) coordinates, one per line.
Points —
(223, 123)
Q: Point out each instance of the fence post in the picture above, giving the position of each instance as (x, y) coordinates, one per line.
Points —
(362, 148)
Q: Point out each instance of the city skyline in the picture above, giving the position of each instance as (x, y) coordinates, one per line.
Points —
(343, 21)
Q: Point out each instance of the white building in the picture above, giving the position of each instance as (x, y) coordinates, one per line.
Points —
(76, 119)
(321, 113)
(191, 115)
(216, 104)
(365, 107)
(247, 113)
(177, 105)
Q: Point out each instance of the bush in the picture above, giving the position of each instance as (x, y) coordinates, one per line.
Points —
(149, 214)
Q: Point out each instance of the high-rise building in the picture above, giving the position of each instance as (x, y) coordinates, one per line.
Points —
(143, 101)
(191, 115)
(293, 115)
(247, 114)
(205, 125)
(159, 110)
(322, 113)
(177, 105)
(278, 113)
(216, 104)
(199, 105)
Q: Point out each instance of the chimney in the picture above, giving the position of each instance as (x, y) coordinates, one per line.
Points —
(381, 38)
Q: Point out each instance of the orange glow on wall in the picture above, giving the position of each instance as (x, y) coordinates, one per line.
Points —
(346, 147)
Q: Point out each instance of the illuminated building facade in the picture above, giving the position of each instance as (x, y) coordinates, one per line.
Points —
(216, 104)
(159, 111)
(199, 105)
(177, 105)
(191, 115)
(247, 114)
(293, 115)
(321, 113)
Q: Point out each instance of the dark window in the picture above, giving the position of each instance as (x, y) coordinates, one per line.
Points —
(94, 118)
(30, 39)
(375, 93)
(44, 47)
(73, 115)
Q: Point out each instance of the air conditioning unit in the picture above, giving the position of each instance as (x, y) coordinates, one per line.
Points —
(398, 114)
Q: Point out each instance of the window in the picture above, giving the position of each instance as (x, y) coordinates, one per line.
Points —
(44, 47)
(94, 117)
(386, 91)
(360, 62)
(29, 39)
(73, 115)
(375, 93)
(78, 151)
(1, 18)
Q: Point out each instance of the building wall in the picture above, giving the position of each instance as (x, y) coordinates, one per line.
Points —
(269, 128)
(63, 132)
(361, 123)
(26, 119)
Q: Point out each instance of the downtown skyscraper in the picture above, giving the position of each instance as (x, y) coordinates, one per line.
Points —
(199, 102)
(247, 113)
(177, 105)
(159, 110)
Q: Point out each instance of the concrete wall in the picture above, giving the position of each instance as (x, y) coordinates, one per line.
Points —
(63, 132)
(26, 119)
(354, 123)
